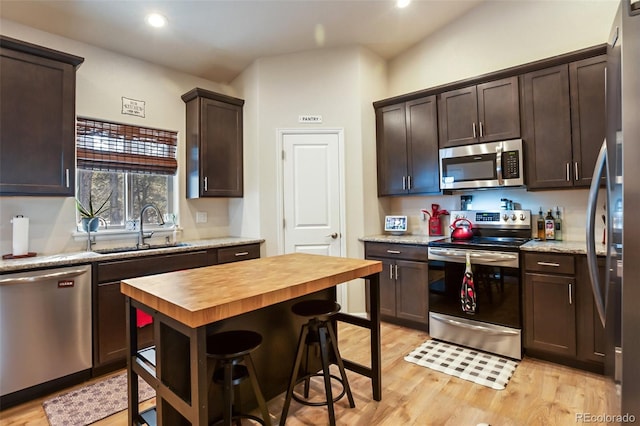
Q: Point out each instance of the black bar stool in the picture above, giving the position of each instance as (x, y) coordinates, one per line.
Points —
(231, 351)
(318, 330)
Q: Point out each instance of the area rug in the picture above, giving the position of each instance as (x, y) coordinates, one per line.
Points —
(478, 367)
(94, 402)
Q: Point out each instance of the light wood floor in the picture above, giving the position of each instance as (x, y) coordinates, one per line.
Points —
(539, 393)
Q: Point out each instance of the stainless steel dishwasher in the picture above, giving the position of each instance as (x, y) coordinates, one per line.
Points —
(45, 326)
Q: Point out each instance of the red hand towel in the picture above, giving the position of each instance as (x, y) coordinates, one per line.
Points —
(143, 318)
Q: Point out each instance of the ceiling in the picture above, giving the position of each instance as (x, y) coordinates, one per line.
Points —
(218, 39)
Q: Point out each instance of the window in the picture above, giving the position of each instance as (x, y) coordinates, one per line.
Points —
(129, 165)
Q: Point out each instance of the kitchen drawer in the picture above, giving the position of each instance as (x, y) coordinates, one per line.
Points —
(237, 253)
(550, 262)
(396, 251)
(137, 267)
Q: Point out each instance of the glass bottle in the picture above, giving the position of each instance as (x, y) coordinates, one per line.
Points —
(558, 225)
(540, 226)
(549, 227)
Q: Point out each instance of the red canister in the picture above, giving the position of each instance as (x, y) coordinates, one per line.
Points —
(435, 226)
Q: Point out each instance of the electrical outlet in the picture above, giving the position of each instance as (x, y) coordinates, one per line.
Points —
(201, 217)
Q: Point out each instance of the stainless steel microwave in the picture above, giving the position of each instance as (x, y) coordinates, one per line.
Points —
(482, 165)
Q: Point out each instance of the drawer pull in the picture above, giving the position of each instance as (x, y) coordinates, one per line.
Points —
(242, 253)
(555, 265)
(393, 251)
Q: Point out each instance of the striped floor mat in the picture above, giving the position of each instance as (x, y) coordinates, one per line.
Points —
(478, 367)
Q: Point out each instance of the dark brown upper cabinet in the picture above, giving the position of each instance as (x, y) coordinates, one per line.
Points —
(407, 147)
(214, 144)
(564, 123)
(481, 113)
(37, 120)
(588, 115)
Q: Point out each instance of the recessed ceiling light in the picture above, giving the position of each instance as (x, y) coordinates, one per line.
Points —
(156, 20)
(402, 3)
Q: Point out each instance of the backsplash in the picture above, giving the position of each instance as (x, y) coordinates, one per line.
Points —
(572, 203)
(53, 223)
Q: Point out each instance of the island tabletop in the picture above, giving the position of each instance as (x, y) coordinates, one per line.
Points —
(240, 287)
(196, 301)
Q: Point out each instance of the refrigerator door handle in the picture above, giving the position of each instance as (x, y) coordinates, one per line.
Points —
(592, 260)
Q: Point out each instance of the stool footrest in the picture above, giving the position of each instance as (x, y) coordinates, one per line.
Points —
(241, 416)
(319, 403)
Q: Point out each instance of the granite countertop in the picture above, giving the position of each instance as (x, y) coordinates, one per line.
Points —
(422, 240)
(564, 247)
(84, 257)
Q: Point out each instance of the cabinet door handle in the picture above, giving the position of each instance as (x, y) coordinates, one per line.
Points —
(575, 169)
(568, 172)
(555, 265)
(570, 295)
(393, 251)
(241, 253)
(66, 171)
(396, 272)
(481, 130)
(409, 182)
(474, 129)
(404, 183)
(206, 183)
(390, 272)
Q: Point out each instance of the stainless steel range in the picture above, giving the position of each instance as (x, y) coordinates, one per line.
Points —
(482, 310)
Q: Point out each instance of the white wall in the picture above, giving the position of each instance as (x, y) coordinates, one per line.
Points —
(338, 84)
(501, 34)
(493, 36)
(102, 80)
(334, 83)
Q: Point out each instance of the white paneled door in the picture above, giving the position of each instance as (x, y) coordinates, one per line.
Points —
(311, 178)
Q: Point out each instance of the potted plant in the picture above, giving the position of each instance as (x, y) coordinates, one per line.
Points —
(87, 214)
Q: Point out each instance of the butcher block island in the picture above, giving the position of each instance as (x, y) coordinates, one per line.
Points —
(257, 295)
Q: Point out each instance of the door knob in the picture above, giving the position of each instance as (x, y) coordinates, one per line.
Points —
(334, 235)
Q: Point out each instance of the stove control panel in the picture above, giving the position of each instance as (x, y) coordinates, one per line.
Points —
(504, 219)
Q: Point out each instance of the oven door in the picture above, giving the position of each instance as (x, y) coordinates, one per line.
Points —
(497, 292)
(496, 324)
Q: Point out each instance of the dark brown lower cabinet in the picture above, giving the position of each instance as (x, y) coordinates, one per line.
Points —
(590, 332)
(560, 320)
(109, 324)
(550, 321)
(403, 283)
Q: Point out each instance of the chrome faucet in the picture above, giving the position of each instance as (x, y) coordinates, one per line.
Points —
(142, 236)
(90, 241)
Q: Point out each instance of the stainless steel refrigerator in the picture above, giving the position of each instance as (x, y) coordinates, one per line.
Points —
(618, 298)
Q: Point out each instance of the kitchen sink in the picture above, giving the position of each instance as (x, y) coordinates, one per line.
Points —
(144, 248)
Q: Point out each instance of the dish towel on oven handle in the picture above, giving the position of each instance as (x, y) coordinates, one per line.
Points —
(468, 290)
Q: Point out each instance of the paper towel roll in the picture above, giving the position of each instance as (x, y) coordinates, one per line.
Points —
(20, 235)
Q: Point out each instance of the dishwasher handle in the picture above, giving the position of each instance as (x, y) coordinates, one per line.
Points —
(44, 277)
